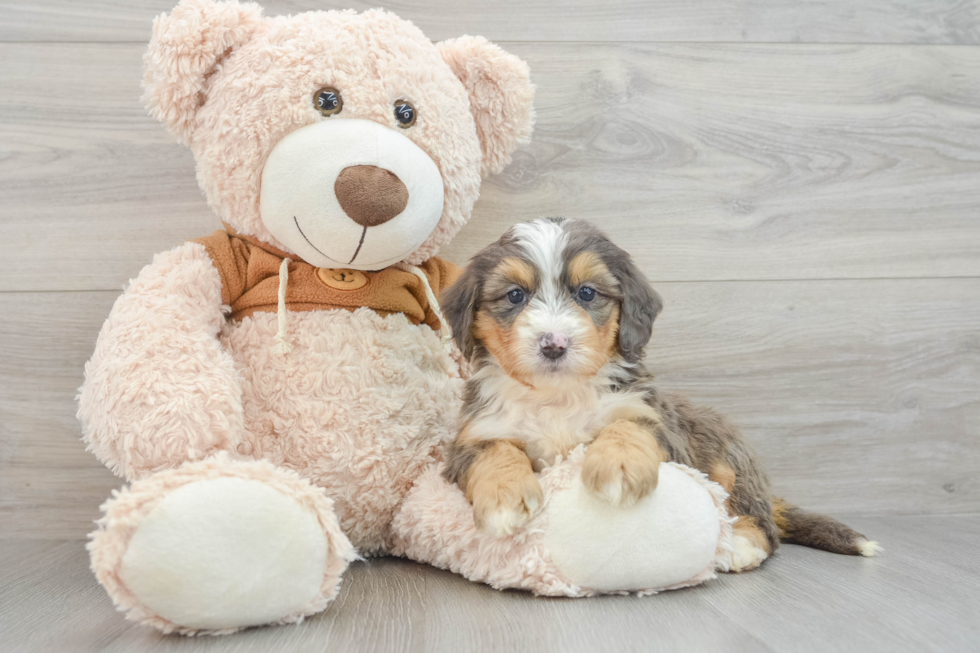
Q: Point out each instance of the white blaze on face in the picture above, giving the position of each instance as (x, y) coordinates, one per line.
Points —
(299, 205)
(550, 308)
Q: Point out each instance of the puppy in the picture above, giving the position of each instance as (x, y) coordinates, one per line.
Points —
(555, 318)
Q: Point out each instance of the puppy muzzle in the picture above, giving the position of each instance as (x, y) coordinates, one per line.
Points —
(553, 345)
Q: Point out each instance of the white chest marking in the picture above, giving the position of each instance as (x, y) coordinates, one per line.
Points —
(551, 422)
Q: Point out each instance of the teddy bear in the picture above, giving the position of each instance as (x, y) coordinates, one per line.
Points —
(278, 394)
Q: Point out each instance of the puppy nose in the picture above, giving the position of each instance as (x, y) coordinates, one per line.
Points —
(370, 195)
(553, 345)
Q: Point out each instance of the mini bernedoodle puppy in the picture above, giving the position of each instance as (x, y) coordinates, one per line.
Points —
(555, 318)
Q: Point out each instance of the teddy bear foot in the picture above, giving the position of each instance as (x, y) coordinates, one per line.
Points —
(577, 545)
(218, 545)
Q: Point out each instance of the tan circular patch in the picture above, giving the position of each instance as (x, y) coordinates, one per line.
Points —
(340, 279)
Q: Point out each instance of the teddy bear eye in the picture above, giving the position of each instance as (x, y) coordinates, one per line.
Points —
(404, 114)
(328, 101)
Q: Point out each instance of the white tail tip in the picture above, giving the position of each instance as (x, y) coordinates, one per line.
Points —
(869, 549)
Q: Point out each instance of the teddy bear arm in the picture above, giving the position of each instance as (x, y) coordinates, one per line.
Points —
(160, 389)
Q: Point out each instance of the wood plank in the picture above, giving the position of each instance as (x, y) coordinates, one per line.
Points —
(854, 393)
(50, 486)
(912, 598)
(907, 599)
(755, 162)
(519, 622)
(51, 601)
(861, 396)
(380, 608)
(816, 21)
(87, 194)
(712, 162)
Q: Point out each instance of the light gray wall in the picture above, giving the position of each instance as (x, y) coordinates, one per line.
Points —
(800, 180)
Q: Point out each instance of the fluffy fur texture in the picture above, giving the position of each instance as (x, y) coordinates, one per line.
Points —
(126, 510)
(436, 526)
(232, 84)
(497, 84)
(362, 403)
(556, 318)
(359, 406)
(160, 389)
(188, 45)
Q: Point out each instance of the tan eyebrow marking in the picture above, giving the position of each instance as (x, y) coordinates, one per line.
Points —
(587, 266)
(516, 271)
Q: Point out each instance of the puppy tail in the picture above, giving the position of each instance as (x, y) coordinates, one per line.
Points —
(798, 526)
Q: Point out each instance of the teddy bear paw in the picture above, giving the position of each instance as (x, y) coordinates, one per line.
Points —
(249, 545)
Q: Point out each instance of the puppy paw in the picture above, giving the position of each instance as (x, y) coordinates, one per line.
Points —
(502, 506)
(746, 555)
(623, 464)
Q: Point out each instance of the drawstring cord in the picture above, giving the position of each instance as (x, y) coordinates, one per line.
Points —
(282, 345)
(446, 332)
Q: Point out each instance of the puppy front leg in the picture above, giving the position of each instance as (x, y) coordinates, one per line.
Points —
(622, 464)
(498, 480)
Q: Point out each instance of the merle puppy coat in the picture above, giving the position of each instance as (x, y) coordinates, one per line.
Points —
(555, 319)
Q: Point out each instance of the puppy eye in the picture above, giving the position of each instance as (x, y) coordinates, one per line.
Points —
(515, 296)
(586, 294)
(328, 101)
(405, 114)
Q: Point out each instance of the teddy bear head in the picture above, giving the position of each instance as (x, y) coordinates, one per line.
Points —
(346, 139)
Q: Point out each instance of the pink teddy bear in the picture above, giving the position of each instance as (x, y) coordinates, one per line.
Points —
(279, 393)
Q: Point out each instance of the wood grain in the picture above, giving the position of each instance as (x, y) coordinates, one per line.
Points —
(755, 162)
(860, 396)
(712, 162)
(807, 205)
(815, 21)
(49, 485)
(922, 594)
(909, 599)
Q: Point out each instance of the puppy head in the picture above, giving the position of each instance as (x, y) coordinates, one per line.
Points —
(553, 299)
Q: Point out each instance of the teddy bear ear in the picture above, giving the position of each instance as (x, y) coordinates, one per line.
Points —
(501, 96)
(185, 49)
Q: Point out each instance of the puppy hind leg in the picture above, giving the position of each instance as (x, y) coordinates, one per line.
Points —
(755, 533)
(751, 548)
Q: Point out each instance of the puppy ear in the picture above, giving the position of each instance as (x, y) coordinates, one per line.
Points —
(501, 96)
(640, 306)
(185, 49)
(459, 306)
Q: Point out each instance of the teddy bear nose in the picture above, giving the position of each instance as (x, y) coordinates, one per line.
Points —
(370, 195)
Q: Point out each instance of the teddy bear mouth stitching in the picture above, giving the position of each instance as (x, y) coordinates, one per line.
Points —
(323, 173)
(300, 229)
(356, 251)
(360, 243)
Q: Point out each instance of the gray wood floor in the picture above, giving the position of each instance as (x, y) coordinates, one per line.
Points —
(800, 179)
(923, 595)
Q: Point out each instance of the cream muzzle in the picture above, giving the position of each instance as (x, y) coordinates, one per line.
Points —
(350, 193)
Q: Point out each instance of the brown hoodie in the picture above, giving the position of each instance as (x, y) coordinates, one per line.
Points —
(249, 272)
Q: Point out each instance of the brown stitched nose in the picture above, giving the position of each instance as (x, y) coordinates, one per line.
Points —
(370, 195)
